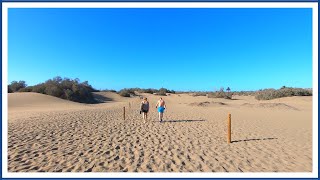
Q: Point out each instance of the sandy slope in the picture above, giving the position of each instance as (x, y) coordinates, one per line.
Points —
(50, 134)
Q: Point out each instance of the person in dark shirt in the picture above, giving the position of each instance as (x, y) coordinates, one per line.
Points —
(145, 108)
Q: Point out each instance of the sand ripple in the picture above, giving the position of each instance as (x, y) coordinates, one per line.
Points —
(191, 140)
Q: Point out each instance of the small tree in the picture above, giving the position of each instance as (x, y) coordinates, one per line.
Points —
(126, 92)
(68, 94)
(162, 91)
(15, 86)
(228, 89)
(9, 89)
(39, 88)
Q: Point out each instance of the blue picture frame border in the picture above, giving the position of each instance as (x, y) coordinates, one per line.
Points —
(1, 96)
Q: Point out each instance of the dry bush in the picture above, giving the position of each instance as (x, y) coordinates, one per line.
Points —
(220, 94)
(15, 86)
(126, 92)
(66, 88)
(268, 94)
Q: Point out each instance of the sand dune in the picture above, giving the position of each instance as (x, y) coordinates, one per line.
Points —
(28, 100)
(27, 104)
(108, 96)
(46, 134)
(281, 106)
(207, 103)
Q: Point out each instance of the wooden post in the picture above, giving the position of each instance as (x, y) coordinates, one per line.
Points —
(124, 113)
(229, 128)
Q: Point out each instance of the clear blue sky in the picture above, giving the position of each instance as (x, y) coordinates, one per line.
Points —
(180, 49)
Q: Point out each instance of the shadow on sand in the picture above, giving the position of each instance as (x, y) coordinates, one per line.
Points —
(101, 99)
(174, 121)
(261, 139)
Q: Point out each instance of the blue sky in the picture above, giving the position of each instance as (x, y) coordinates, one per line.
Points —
(180, 49)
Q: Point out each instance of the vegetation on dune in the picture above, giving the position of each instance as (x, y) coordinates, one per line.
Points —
(15, 86)
(268, 94)
(164, 91)
(265, 94)
(9, 90)
(149, 90)
(108, 90)
(244, 93)
(70, 89)
(221, 94)
(127, 92)
(74, 90)
(194, 93)
(199, 93)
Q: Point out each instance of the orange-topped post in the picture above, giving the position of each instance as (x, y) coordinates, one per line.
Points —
(124, 113)
(229, 128)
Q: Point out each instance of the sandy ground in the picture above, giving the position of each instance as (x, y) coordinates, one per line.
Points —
(47, 134)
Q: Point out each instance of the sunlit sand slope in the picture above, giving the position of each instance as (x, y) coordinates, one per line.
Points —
(53, 135)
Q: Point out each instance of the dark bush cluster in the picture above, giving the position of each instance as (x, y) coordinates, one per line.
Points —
(149, 90)
(66, 88)
(244, 93)
(9, 90)
(220, 94)
(163, 91)
(108, 90)
(70, 89)
(268, 94)
(193, 93)
(15, 86)
(26, 89)
(199, 93)
(127, 92)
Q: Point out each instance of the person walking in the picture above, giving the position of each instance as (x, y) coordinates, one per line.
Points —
(144, 109)
(161, 105)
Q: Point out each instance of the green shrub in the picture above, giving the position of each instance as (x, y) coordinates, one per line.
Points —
(65, 88)
(9, 89)
(68, 94)
(108, 90)
(220, 94)
(26, 89)
(163, 91)
(131, 91)
(268, 94)
(198, 93)
(150, 91)
(126, 92)
(15, 86)
(302, 92)
(244, 93)
(39, 88)
(54, 90)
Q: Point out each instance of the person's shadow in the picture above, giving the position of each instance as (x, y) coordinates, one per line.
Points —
(177, 121)
(256, 139)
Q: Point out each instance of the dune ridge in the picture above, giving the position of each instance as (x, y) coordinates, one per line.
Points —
(281, 106)
(207, 103)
